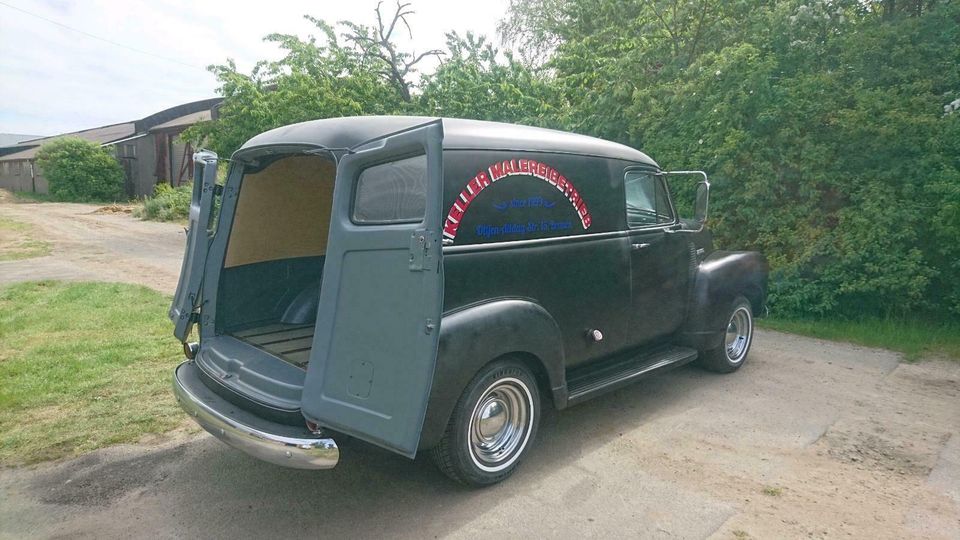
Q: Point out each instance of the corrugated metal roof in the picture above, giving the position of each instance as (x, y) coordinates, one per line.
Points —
(11, 139)
(23, 154)
(184, 121)
(100, 135)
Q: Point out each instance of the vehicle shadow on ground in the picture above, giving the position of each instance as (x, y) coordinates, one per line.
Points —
(373, 493)
(204, 488)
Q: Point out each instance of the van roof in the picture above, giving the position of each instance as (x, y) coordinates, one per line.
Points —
(457, 134)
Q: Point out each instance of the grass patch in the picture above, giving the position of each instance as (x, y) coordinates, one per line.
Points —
(772, 491)
(82, 366)
(166, 204)
(16, 243)
(29, 196)
(915, 338)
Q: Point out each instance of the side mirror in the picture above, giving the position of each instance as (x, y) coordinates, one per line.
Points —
(702, 204)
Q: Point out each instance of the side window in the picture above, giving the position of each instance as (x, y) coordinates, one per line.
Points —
(392, 192)
(506, 196)
(647, 200)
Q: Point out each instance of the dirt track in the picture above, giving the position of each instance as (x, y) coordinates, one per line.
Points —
(95, 246)
(811, 439)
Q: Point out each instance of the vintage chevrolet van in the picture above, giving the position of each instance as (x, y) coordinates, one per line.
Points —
(432, 284)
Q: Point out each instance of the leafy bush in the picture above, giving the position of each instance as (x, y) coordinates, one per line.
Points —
(80, 171)
(827, 129)
(167, 204)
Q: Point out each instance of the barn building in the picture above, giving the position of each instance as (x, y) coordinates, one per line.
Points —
(148, 149)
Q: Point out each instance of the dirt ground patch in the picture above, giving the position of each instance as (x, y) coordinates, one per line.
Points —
(86, 243)
(811, 439)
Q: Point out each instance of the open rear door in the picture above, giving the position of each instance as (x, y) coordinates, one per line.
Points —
(187, 297)
(375, 346)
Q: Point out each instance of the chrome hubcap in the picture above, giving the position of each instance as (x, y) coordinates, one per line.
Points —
(738, 335)
(500, 424)
(492, 419)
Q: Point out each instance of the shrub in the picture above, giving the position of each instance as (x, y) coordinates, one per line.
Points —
(167, 204)
(80, 171)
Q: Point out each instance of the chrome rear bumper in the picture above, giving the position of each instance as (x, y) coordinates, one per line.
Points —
(280, 444)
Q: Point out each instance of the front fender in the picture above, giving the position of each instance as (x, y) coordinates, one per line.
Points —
(473, 336)
(720, 278)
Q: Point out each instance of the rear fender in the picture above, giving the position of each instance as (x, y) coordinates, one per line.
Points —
(471, 337)
(720, 278)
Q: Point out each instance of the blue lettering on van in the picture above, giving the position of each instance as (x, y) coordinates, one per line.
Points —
(531, 202)
(487, 231)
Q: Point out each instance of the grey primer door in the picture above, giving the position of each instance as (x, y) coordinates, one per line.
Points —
(187, 297)
(375, 344)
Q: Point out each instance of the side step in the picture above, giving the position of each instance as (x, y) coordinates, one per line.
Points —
(589, 382)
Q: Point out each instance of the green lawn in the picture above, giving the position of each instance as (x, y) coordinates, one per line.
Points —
(16, 241)
(915, 338)
(82, 366)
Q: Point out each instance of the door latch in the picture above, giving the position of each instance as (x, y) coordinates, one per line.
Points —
(421, 251)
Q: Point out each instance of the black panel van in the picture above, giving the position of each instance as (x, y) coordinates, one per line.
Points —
(430, 284)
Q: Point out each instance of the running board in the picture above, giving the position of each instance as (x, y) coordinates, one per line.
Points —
(589, 383)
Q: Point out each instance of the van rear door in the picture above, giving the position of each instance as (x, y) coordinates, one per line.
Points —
(187, 298)
(375, 345)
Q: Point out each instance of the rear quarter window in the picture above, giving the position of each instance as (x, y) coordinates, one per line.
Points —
(393, 192)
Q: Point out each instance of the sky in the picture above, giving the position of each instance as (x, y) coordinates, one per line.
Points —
(55, 80)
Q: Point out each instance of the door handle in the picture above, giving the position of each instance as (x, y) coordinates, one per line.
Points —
(639, 246)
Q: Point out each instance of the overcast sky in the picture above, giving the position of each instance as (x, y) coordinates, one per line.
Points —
(54, 80)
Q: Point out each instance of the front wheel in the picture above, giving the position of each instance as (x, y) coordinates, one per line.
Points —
(492, 425)
(731, 353)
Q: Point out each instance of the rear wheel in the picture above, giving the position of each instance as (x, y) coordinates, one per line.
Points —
(492, 425)
(732, 351)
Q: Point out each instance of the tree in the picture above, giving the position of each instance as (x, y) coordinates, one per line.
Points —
(79, 170)
(377, 46)
(533, 27)
(473, 83)
(361, 71)
(826, 126)
(318, 77)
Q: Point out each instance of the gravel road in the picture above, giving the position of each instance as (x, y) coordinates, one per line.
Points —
(811, 439)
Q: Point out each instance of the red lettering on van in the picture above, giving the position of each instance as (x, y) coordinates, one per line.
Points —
(513, 167)
(497, 171)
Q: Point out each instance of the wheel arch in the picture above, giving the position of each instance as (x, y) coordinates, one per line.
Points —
(473, 337)
(720, 278)
(536, 367)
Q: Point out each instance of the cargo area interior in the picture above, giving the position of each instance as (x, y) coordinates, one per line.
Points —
(270, 282)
